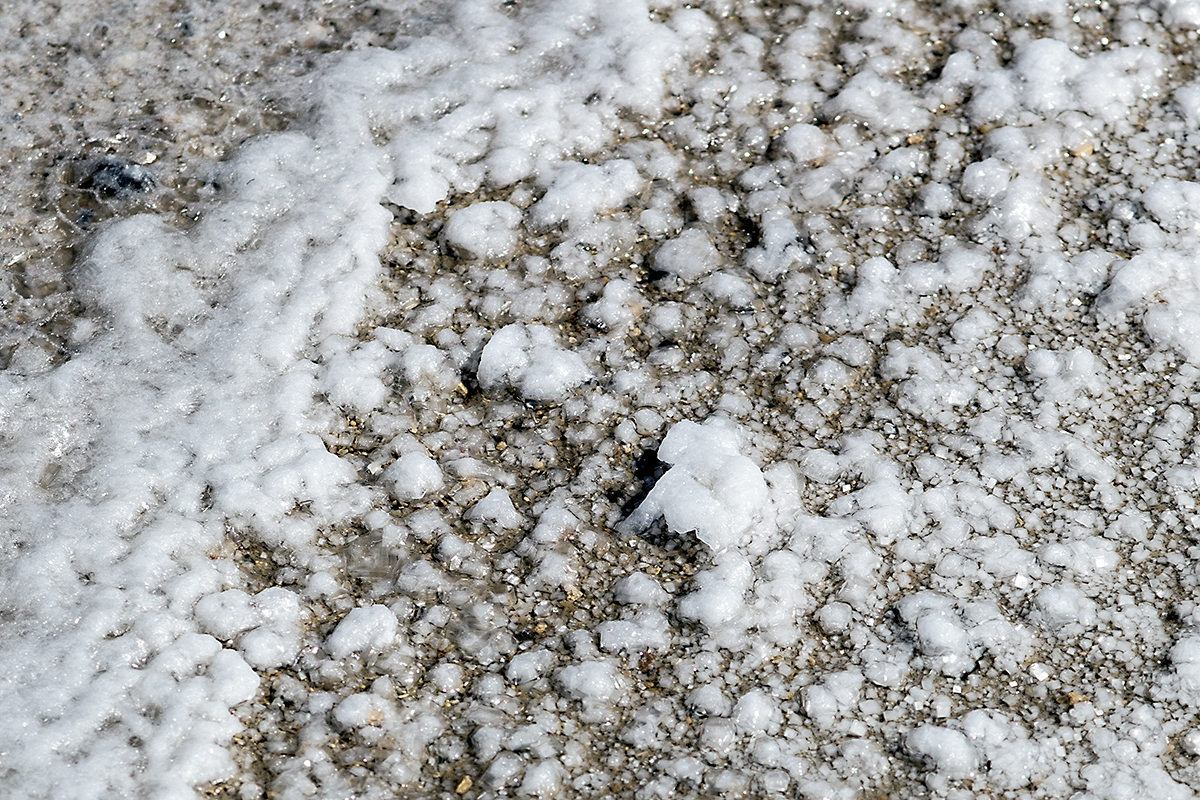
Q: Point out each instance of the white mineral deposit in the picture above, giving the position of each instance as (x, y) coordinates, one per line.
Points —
(641, 399)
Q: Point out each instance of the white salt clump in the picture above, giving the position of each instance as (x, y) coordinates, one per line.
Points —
(807, 144)
(619, 306)
(597, 684)
(1185, 657)
(554, 569)
(886, 665)
(833, 698)
(730, 290)
(711, 489)
(883, 104)
(685, 768)
(882, 506)
(362, 630)
(413, 476)
(483, 230)
(647, 630)
(1182, 13)
(640, 589)
(1062, 607)
(497, 509)
(718, 735)
(227, 614)
(1055, 280)
(780, 249)
(876, 284)
(427, 370)
(1064, 376)
(937, 199)
(528, 359)
(710, 699)
(941, 634)
(1085, 557)
(710, 204)
(686, 258)
(947, 751)
(503, 771)
(448, 678)
(1012, 759)
(835, 617)
(222, 680)
(756, 713)
(581, 191)
(360, 710)
(453, 550)
(353, 379)
(719, 601)
(543, 779)
(821, 466)
(528, 666)
(275, 641)
(235, 681)
(265, 626)
(985, 180)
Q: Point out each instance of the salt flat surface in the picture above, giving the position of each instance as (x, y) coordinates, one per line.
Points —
(576, 399)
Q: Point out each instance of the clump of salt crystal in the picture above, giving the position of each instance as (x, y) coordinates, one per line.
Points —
(529, 360)
(483, 230)
(413, 476)
(711, 489)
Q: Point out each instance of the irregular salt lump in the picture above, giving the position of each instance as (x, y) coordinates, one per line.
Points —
(940, 632)
(497, 510)
(686, 258)
(579, 192)
(528, 666)
(948, 751)
(275, 641)
(265, 626)
(413, 476)
(529, 360)
(640, 589)
(485, 230)
(711, 489)
(619, 305)
(1062, 607)
(363, 629)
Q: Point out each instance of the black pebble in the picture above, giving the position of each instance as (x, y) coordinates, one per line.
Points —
(111, 176)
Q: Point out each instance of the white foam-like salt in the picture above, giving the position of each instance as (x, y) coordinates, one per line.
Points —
(528, 666)
(640, 589)
(581, 191)
(592, 681)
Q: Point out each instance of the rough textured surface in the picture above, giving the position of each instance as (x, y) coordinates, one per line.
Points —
(574, 399)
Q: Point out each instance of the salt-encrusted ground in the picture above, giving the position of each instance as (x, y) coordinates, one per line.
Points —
(592, 399)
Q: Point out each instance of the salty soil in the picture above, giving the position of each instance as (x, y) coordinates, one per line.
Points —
(721, 400)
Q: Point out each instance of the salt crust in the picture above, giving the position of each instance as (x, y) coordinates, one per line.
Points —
(195, 401)
(210, 363)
